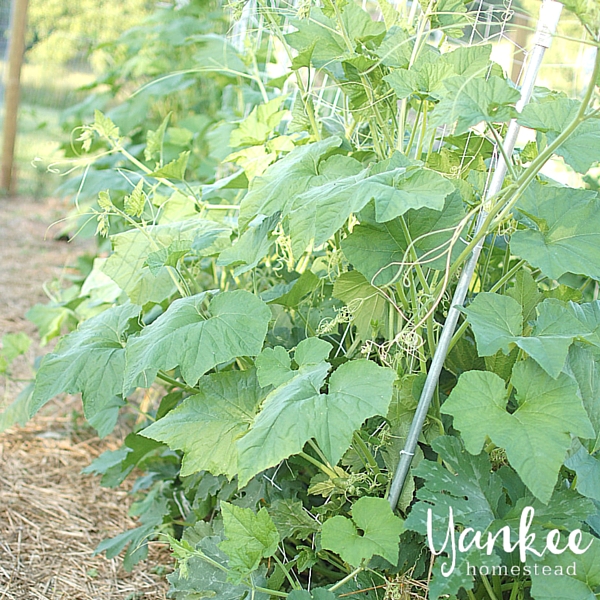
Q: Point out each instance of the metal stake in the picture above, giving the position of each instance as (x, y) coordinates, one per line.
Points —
(547, 24)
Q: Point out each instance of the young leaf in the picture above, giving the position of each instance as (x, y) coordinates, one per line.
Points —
(368, 307)
(90, 360)
(154, 139)
(236, 325)
(134, 204)
(537, 435)
(557, 245)
(297, 411)
(250, 538)
(223, 411)
(206, 576)
(373, 530)
(175, 169)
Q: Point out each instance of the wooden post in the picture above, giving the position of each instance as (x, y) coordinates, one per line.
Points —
(12, 91)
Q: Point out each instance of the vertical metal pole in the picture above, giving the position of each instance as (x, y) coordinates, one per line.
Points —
(11, 98)
(548, 21)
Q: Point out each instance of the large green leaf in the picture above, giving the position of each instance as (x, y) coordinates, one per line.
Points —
(223, 411)
(470, 101)
(379, 533)
(275, 190)
(250, 538)
(553, 243)
(297, 411)
(537, 435)
(497, 322)
(318, 213)
(564, 584)
(292, 520)
(196, 339)
(581, 149)
(90, 360)
(127, 265)
(378, 250)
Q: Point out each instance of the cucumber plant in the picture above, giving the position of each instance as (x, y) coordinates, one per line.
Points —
(281, 318)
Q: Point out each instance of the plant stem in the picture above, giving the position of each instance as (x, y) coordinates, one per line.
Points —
(341, 582)
(293, 583)
(358, 441)
(318, 464)
(164, 377)
(488, 587)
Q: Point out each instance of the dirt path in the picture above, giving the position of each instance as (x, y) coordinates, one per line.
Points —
(52, 517)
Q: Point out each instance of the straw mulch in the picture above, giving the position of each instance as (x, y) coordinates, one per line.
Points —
(51, 516)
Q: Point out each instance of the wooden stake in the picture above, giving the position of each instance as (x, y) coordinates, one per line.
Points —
(12, 91)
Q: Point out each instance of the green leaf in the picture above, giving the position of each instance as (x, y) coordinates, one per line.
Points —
(154, 139)
(526, 293)
(14, 344)
(469, 102)
(581, 148)
(259, 124)
(173, 170)
(318, 213)
(253, 245)
(367, 306)
(128, 266)
(235, 325)
(104, 126)
(312, 351)
(297, 411)
(89, 360)
(497, 322)
(223, 411)
(536, 436)
(275, 190)
(378, 250)
(587, 469)
(206, 576)
(585, 369)
(314, 594)
(50, 320)
(250, 538)
(273, 366)
(564, 584)
(291, 294)
(18, 410)
(152, 511)
(373, 530)
(291, 520)
(168, 257)
(134, 204)
(466, 483)
(558, 245)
